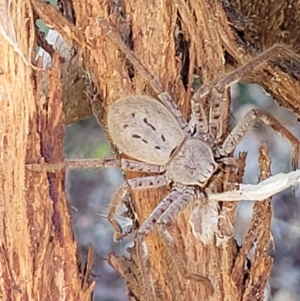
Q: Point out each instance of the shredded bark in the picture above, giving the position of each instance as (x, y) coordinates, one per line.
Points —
(38, 251)
(174, 42)
(246, 34)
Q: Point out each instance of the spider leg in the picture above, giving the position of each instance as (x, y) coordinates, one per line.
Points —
(220, 98)
(218, 123)
(155, 215)
(200, 117)
(234, 76)
(165, 97)
(78, 163)
(143, 182)
(142, 250)
(237, 134)
(165, 213)
(124, 164)
(132, 165)
(113, 208)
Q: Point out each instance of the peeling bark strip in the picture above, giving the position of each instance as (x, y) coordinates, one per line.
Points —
(259, 232)
(174, 40)
(48, 217)
(48, 214)
(76, 104)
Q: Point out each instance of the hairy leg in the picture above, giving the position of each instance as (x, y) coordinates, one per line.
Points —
(165, 97)
(143, 182)
(124, 164)
(76, 163)
(238, 133)
(220, 99)
(234, 76)
(163, 215)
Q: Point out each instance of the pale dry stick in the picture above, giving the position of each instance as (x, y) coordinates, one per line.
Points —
(260, 191)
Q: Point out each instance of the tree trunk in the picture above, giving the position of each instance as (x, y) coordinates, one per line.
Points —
(38, 251)
(173, 40)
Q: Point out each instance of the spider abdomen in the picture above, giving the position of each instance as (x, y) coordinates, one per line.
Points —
(193, 164)
(142, 128)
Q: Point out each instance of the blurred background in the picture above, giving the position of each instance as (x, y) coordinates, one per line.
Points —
(90, 191)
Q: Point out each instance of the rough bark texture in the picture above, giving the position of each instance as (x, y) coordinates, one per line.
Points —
(254, 26)
(173, 39)
(38, 252)
(272, 22)
(76, 103)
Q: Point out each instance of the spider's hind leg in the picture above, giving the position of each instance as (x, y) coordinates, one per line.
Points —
(238, 133)
(164, 215)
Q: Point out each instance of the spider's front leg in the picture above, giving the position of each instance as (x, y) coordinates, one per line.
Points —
(122, 192)
(77, 163)
(236, 75)
(238, 133)
(163, 216)
(219, 103)
(165, 97)
(138, 183)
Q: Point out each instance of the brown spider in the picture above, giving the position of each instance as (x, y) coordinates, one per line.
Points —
(156, 135)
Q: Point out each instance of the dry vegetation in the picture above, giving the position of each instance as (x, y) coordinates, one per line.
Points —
(38, 251)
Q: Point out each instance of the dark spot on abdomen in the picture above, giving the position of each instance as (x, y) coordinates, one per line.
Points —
(149, 124)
